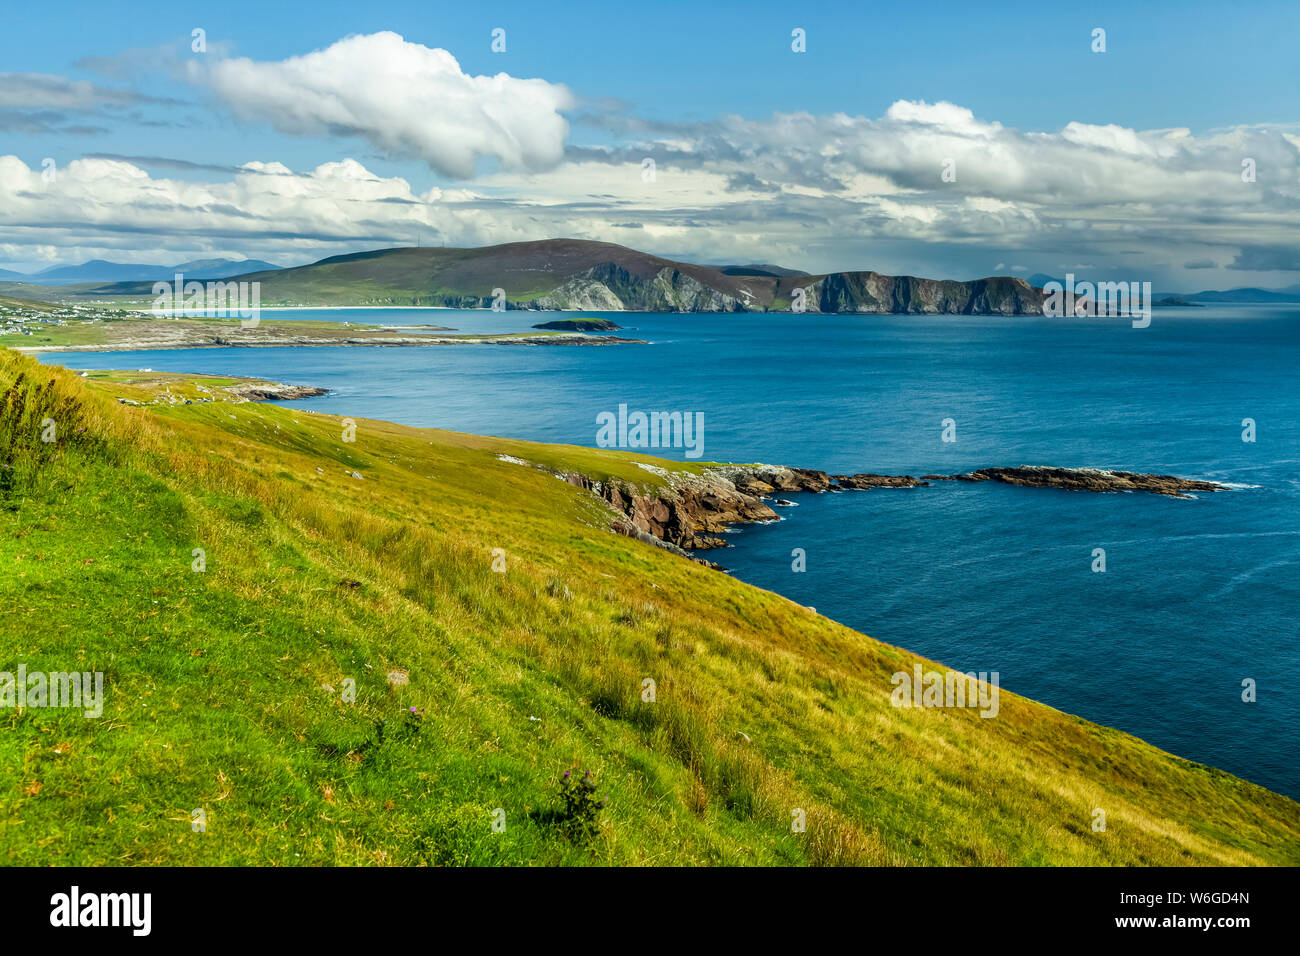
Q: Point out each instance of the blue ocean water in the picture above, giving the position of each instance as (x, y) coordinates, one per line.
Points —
(1198, 595)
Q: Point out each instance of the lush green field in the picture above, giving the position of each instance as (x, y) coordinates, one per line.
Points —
(225, 688)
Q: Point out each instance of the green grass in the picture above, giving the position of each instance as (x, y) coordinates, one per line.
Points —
(9, 302)
(73, 334)
(223, 688)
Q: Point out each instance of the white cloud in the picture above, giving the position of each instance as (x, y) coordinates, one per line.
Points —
(104, 208)
(814, 192)
(1082, 166)
(942, 115)
(405, 98)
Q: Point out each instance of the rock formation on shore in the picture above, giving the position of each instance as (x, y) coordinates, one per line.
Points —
(689, 515)
(685, 512)
(696, 509)
(274, 391)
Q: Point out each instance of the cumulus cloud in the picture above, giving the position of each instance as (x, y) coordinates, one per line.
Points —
(816, 192)
(110, 208)
(1085, 189)
(408, 100)
(1081, 165)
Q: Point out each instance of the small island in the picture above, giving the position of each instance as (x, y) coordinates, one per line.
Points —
(580, 325)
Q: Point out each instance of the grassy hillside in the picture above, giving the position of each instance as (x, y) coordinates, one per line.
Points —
(431, 276)
(224, 687)
(10, 303)
(24, 294)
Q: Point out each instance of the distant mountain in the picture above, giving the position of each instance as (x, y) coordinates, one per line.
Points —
(1235, 296)
(101, 270)
(579, 274)
(1246, 296)
(223, 268)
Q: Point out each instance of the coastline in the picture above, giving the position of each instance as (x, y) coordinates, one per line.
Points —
(693, 509)
(349, 337)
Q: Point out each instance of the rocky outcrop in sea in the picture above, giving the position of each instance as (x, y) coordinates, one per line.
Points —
(691, 513)
(685, 512)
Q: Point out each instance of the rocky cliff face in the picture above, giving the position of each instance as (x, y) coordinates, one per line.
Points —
(689, 515)
(871, 292)
(696, 508)
(612, 288)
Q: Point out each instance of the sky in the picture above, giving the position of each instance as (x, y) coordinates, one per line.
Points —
(935, 139)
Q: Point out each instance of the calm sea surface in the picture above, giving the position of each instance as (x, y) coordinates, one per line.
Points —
(1197, 596)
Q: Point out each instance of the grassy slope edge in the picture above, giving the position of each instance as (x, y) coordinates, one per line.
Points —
(223, 688)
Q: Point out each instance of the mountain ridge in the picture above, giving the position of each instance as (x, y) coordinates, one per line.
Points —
(580, 274)
(103, 270)
(1241, 295)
